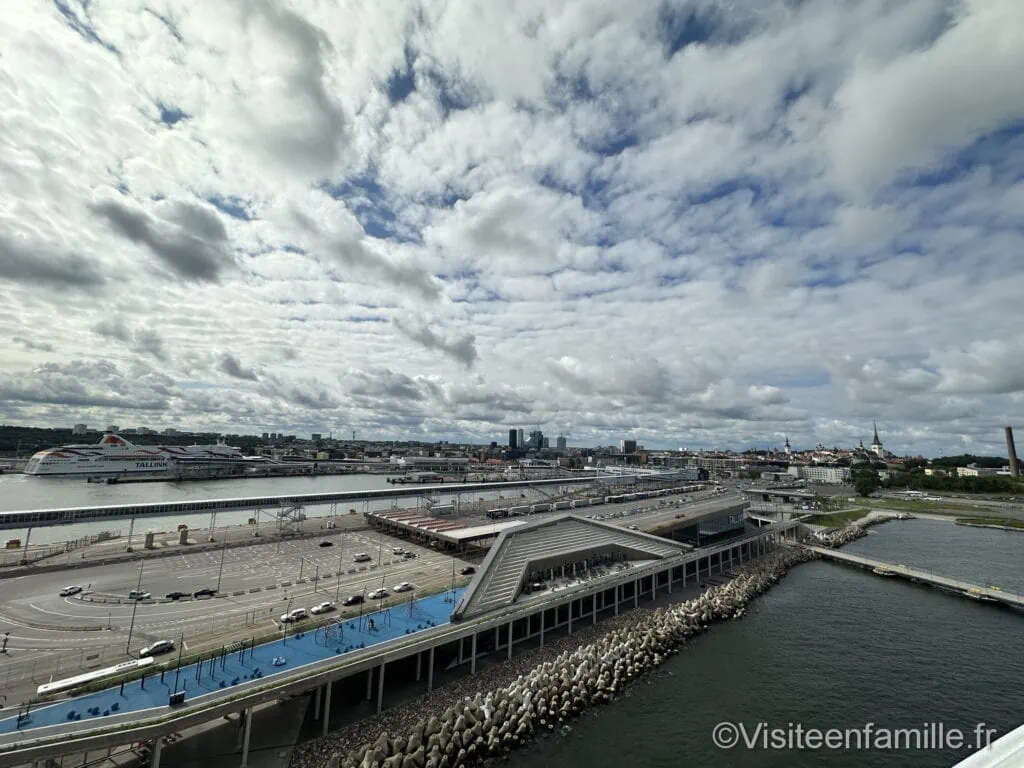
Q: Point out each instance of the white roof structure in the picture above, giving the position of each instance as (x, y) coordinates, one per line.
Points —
(548, 543)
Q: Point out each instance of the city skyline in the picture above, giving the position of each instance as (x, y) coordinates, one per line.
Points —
(688, 225)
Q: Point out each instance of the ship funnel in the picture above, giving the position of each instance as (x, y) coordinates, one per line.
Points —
(1011, 451)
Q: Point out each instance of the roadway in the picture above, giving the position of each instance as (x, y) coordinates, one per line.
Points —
(58, 634)
(50, 634)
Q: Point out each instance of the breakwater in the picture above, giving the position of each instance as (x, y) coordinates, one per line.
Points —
(493, 723)
(855, 530)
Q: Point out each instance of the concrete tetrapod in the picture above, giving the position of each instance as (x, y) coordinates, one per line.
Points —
(560, 689)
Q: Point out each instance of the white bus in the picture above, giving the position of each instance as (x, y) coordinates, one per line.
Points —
(97, 674)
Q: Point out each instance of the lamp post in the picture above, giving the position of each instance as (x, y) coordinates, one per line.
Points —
(223, 551)
(135, 607)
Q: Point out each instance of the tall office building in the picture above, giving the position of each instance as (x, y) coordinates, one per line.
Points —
(521, 438)
(512, 442)
(560, 443)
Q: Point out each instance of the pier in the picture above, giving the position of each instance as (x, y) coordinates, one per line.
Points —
(966, 589)
(66, 516)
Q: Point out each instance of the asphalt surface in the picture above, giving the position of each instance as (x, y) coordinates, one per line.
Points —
(52, 637)
(47, 629)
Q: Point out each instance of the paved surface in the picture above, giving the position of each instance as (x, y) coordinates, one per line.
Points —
(57, 636)
(914, 574)
(52, 637)
(263, 663)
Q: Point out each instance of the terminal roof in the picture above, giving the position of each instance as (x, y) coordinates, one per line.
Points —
(548, 543)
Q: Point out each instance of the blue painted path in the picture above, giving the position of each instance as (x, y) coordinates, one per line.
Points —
(296, 650)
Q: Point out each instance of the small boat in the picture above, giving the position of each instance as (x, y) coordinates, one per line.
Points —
(977, 594)
(880, 571)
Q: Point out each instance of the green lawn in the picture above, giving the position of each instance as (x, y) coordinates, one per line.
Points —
(837, 519)
(937, 507)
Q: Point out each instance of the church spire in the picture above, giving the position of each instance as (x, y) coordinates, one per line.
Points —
(875, 441)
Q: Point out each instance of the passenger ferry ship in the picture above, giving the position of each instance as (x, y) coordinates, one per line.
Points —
(113, 455)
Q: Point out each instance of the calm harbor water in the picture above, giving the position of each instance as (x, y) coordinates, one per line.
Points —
(19, 492)
(829, 647)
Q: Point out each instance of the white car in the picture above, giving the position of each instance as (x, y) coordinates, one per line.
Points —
(325, 607)
(160, 646)
(405, 586)
(398, 551)
(138, 594)
(378, 594)
(74, 589)
(295, 614)
(361, 557)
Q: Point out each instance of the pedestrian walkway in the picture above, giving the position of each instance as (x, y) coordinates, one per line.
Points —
(238, 667)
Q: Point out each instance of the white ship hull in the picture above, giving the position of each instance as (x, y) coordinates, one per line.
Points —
(114, 455)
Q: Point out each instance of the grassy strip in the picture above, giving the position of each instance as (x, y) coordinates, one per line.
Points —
(1002, 522)
(838, 519)
(168, 666)
(936, 507)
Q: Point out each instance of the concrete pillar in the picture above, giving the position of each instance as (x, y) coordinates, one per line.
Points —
(593, 607)
(380, 689)
(510, 641)
(247, 714)
(430, 671)
(670, 581)
(327, 707)
(316, 704)
(158, 745)
(472, 658)
(460, 649)
(570, 617)
(617, 599)
(542, 628)
(684, 575)
(419, 665)
(369, 683)
(636, 593)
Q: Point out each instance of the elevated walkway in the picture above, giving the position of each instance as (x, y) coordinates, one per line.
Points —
(973, 591)
(32, 518)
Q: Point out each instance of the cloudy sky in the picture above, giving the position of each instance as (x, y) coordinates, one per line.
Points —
(694, 223)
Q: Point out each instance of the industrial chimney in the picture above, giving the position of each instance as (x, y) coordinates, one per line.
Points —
(1012, 451)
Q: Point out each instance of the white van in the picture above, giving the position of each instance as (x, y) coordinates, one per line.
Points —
(361, 557)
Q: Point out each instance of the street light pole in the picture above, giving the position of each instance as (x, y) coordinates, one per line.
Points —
(135, 607)
(223, 551)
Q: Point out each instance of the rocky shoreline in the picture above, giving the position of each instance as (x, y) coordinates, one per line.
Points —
(855, 530)
(542, 688)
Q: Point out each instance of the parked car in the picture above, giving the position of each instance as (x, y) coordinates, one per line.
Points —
(160, 646)
(634, 528)
(354, 600)
(138, 594)
(205, 592)
(74, 589)
(295, 614)
(469, 570)
(408, 555)
(405, 586)
(378, 594)
(398, 551)
(176, 595)
(325, 607)
(361, 557)
(326, 543)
